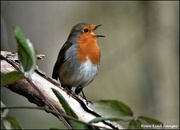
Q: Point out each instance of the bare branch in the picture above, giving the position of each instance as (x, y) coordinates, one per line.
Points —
(45, 85)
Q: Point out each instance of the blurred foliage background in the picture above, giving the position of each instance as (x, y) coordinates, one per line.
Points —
(140, 53)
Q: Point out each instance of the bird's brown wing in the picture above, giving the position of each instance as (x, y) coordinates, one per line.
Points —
(60, 60)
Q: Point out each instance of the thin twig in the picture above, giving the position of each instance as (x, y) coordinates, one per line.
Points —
(54, 112)
(47, 103)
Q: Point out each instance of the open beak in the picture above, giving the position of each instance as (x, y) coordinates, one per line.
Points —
(96, 28)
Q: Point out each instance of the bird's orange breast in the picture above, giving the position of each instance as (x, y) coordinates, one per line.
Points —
(88, 48)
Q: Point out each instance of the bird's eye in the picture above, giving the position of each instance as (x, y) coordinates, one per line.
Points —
(86, 30)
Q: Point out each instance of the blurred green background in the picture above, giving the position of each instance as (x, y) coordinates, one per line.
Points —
(139, 55)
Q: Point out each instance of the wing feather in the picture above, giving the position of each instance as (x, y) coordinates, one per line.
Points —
(60, 60)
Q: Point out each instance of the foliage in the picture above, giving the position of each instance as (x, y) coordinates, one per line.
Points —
(27, 59)
(116, 111)
(26, 53)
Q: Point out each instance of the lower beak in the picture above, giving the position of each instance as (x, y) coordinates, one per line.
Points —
(99, 35)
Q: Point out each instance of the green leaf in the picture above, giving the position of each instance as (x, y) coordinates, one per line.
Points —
(132, 124)
(11, 123)
(11, 77)
(78, 125)
(69, 111)
(112, 108)
(135, 124)
(99, 119)
(150, 120)
(138, 124)
(26, 53)
(65, 104)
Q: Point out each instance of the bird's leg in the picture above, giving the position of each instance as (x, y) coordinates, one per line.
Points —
(78, 90)
(83, 95)
(67, 89)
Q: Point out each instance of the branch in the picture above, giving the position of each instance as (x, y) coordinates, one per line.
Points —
(45, 84)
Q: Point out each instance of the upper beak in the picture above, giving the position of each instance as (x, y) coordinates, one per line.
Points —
(96, 28)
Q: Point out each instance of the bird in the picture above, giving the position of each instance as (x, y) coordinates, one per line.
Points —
(78, 60)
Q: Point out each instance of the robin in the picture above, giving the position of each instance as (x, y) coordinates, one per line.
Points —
(78, 60)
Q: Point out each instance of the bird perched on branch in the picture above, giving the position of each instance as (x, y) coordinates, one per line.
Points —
(78, 60)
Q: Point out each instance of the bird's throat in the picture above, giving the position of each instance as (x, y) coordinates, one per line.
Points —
(88, 49)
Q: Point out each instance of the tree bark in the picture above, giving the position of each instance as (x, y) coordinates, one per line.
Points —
(45, 85)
